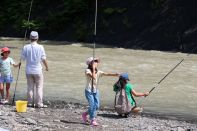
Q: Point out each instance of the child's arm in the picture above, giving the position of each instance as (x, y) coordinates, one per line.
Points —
(138, 94)
(111, 74)
(17, 65)
(90, 74)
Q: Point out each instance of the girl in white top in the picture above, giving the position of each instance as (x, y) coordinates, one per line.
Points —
(91, 91)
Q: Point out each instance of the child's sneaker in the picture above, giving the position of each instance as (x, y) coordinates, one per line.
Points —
(6, 101)
(2, 101)
(84, 117)
(29, 105)
(94, 123)
(41, 106)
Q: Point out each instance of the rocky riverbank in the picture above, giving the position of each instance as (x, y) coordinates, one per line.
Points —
(67, 116)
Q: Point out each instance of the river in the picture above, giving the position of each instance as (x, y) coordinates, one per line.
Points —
(176, 96)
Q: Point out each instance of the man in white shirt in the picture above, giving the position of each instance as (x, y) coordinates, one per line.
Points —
(34, 54)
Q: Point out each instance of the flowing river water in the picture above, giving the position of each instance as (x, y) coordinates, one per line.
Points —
(176, 96)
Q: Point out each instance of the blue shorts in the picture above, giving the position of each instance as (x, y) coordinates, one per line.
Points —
(6, 79)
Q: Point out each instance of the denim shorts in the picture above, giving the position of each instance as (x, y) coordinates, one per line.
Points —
(6, 79)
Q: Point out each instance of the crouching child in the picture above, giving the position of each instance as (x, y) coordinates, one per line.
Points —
(124, 100)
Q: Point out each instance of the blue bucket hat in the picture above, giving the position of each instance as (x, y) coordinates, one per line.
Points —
(125, 76)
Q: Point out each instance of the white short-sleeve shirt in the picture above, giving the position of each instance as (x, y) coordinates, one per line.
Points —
(95, 81)
(33, 53)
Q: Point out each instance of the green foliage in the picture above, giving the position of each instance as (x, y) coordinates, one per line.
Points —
(105, 23)
(50, 17)
(156, 4)
(121, 10)
(34, 25)
(126, 22)
(110, 11)
(80, 30)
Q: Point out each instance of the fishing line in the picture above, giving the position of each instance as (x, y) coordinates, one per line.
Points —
(25, 35)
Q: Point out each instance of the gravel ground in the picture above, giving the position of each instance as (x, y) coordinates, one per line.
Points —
(68, 117)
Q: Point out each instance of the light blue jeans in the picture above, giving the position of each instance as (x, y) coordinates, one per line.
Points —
(93, 100)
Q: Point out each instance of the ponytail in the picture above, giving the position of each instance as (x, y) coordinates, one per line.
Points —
(122, 82)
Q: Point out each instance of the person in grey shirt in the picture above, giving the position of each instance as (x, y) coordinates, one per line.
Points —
(34, 55)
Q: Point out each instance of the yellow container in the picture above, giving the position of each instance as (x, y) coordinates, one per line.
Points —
(21, 106)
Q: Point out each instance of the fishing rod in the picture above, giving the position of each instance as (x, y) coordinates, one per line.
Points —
(95, 25)
(94, 43)
(152, 89)
(168, 73)
(188, 54)
(25, 35)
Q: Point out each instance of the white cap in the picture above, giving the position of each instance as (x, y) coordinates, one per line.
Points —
(90, 59)
(34, 35)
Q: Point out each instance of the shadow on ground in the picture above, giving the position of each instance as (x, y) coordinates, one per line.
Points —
(110, 116)
(73, 122)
